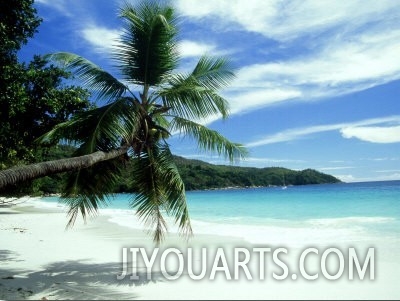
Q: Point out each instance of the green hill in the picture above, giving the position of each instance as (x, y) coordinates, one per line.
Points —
(201, 175)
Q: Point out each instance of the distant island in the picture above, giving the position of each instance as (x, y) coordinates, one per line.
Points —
(199, 175)
(196, 174)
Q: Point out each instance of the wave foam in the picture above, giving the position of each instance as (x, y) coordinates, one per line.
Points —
(316, 231)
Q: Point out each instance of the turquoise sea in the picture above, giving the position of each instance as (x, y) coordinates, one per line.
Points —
(366, 212)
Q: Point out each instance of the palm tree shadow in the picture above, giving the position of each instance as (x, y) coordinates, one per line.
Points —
(6, 255)
(72, 280)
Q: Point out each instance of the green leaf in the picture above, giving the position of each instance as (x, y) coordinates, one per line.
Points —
(188, 99)
(196, 95)
(208, 139)
(103, 128)
(92, 76)
(213, 73)
(159, 189)
(89, 189)
(147, 49)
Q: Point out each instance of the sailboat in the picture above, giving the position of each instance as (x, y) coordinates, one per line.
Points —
(284, 184)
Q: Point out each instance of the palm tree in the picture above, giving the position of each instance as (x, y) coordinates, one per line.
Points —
(143, 109)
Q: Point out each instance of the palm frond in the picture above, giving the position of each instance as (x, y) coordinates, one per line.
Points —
(189, 99)
(209, 140)
(175, 191)
(104, 129)
(159, 189)
(101, 128)
(94, 78)
(196, 95)
(147, 49)
(213, 73)
(149, 196)
(89, 189)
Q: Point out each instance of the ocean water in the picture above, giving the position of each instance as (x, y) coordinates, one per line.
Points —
(366, 212)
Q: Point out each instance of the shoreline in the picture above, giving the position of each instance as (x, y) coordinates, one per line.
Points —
(215, 189)
(40, 259)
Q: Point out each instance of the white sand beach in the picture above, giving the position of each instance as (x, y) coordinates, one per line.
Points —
(41, 260)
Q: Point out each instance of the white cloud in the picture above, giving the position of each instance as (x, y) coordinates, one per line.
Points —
(391, 177)
(293, 134)
(381, 159)
(346, 46)
(352, 178)
(341, 69)
(335, 168)
(59, 5)
(283, 19)
(258, 161)
(189, 48)
(373, 134)
(248, 99)
(346, 178)
(298, 133)
(101, 38)
(246, 162)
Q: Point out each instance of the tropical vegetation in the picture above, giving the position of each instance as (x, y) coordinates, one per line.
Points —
(33, 95)
(144, 105)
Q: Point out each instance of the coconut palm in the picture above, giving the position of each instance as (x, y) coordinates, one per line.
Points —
(144, 107)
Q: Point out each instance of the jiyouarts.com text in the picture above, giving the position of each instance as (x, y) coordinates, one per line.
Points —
(250, 263)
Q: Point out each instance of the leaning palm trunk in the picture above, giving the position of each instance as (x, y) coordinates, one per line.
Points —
(18, 174)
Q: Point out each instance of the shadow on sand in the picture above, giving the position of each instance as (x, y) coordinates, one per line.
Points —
(69, 280)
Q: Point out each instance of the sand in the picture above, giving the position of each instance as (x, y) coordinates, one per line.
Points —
(41, 260)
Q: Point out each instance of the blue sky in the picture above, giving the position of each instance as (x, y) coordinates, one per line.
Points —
(317, 85)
